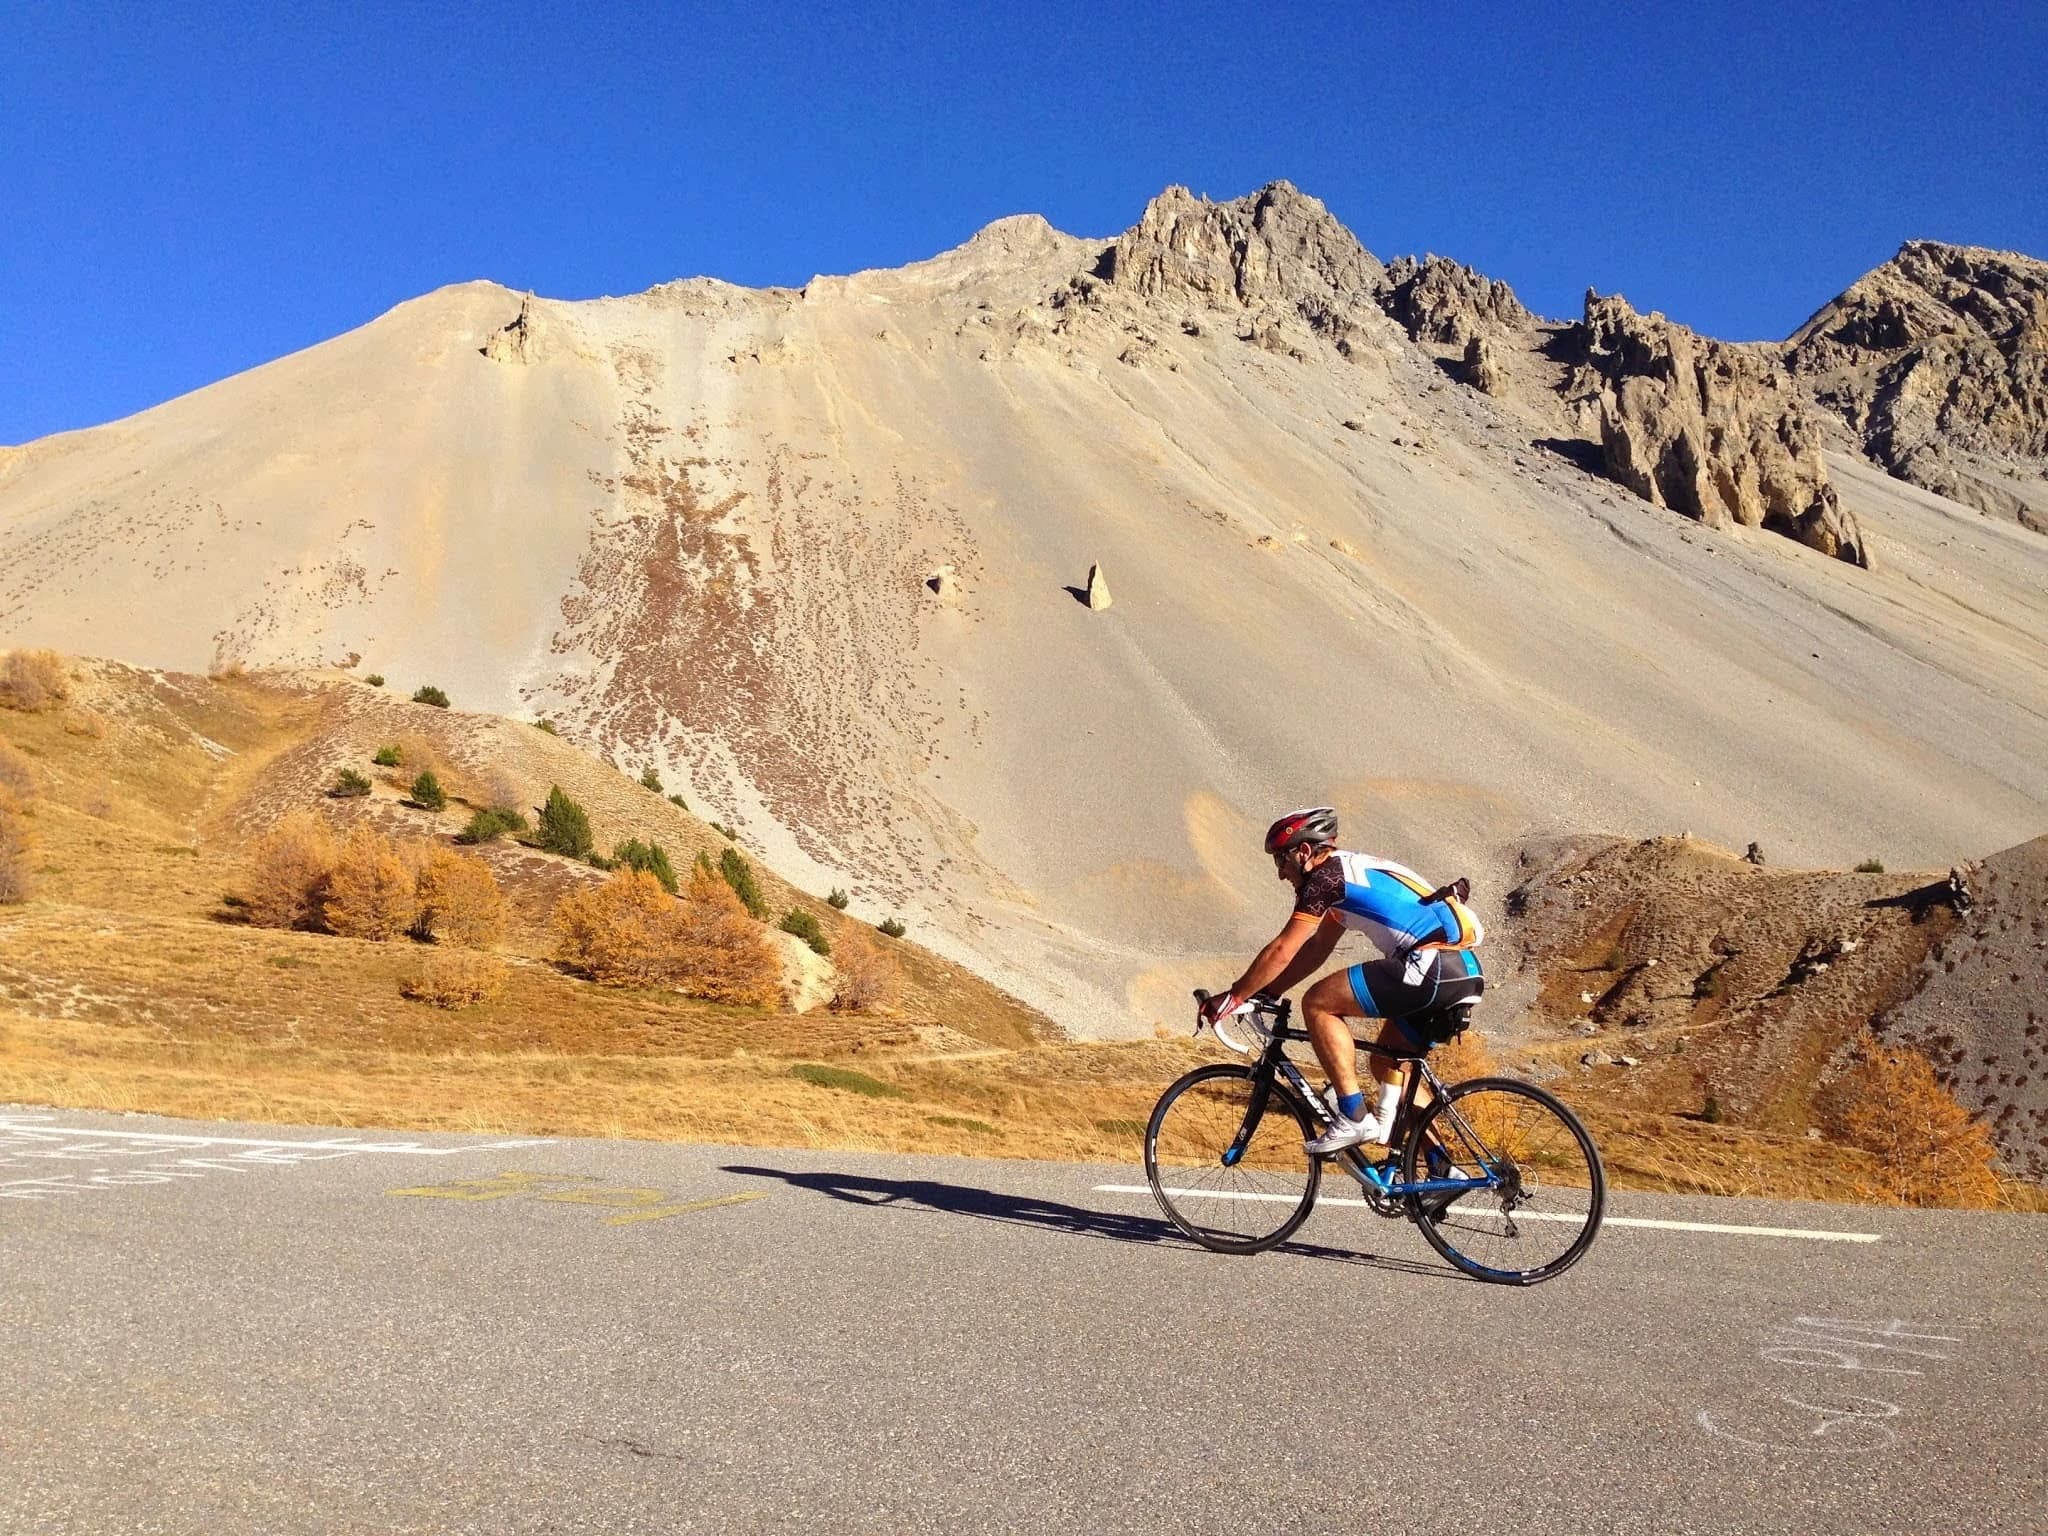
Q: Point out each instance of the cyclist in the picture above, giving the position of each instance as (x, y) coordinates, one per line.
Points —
(1425, 937)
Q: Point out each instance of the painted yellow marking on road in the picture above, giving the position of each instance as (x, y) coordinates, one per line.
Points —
(635, 1203)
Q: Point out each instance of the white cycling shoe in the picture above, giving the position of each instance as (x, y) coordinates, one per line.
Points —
(1345, 1133)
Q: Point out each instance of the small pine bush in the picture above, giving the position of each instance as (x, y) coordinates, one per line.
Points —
(845, 1079)
(893, 928)
(547, 725)
(427, 792)
(491, 823)
(289, 869)
(724, 831)
(427, 693)
(739, 874)
(678, 802)
(1710, 1111)
(650, 779)
(458, 900)
(33, 681)
(805, 926)
(371, 893)
(375, 679)
(865, 980)
(837, 900)
(650, 857)
(1930, 1150)
(16, 845)
(349, 785)
(1870, 867)
(458, 979)
(388, 757)
(563, 826)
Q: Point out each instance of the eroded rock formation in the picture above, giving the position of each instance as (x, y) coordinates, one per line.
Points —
(520, 341)
(1441, 301)
(1706, 428)
(1937, 361)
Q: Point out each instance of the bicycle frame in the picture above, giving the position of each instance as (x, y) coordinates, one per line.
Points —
(1380, 1181)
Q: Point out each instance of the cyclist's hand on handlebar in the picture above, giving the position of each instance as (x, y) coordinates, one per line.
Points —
(1215, 1006)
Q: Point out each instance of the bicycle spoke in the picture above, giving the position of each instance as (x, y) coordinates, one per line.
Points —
(1238, 1205)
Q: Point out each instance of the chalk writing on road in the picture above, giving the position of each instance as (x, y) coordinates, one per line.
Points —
(1816, 1413)
(41, 1160)
(632, 1203)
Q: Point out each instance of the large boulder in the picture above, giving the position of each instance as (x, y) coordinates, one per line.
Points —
(1707, 428)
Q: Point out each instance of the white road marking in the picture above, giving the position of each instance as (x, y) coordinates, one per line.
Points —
(169, 1140)
(1526, 1215)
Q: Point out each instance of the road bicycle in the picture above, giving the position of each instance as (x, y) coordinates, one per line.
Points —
(1500, 1177)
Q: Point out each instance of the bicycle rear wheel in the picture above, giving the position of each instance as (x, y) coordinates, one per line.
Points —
(1552, 1191)
(1233, 1204)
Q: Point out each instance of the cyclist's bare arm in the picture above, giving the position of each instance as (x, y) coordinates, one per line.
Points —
(1295, 951)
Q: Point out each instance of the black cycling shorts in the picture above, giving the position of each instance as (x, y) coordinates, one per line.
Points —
(1429, 978)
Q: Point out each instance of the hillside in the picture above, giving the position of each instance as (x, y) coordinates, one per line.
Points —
(1374, 533)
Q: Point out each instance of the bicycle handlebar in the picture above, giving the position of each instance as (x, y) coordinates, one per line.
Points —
(1257, 1006)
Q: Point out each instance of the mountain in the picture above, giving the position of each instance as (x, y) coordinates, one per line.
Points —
(1376, 535)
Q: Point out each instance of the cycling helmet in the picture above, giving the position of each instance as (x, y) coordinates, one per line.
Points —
(1315, 827)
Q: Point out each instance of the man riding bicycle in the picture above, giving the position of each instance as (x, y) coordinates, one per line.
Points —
(1425, 937)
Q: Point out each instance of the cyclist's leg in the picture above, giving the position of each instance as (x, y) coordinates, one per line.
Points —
(1377, 990)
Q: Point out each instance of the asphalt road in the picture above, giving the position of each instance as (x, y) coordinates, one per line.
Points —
(297, 1331)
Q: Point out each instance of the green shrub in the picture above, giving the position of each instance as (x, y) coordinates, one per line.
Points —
(678, 802)
(724, 831)
(427, 693)
(427, 792)
(964, 1123)
(805, 927)
(491, 823)
(597, 860)
(349, 785)
(837, 900)
(846, 1079)
(649, 856)
(564, 827)
(375, 679)
(1711, 1110)
(650, 779)
(739, 874)
(893, 927)
(388, 757)
(1870, 867)
(545, 724)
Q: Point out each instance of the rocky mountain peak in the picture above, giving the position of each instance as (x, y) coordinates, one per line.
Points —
(1937, 362)
(1277, 247)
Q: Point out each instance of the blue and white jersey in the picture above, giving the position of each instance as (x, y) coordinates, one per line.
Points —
(1386, 902)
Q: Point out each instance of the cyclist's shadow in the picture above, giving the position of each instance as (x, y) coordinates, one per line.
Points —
(1051, 1215)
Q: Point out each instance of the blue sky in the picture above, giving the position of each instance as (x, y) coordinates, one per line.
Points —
(185, 196)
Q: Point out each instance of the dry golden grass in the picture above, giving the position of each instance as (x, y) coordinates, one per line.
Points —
(16, 776)
(33, 681)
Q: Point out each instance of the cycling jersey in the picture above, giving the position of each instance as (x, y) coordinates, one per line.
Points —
(1388, 903)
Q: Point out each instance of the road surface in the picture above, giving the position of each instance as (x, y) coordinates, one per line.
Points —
(219, 1329)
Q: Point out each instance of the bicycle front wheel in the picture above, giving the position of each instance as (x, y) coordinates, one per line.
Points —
(1232, 1182)
(1549, 1191)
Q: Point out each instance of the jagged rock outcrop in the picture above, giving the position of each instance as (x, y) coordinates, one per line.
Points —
(520, 341)
(1706, 428)
(1278, 252)
(1483, 369)
(1439, 300)
(1937, 361)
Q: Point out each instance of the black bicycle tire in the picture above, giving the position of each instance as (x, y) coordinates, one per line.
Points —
(1411, 1151)
(1281, 1100)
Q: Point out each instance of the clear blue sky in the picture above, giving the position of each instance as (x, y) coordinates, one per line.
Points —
(182, 197)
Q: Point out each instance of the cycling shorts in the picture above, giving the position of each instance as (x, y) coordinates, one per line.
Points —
(1428, 978)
